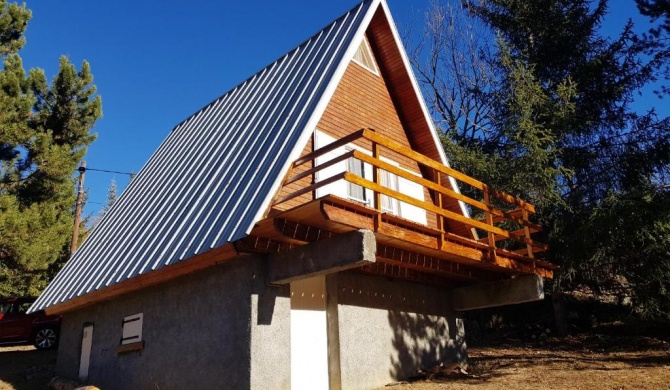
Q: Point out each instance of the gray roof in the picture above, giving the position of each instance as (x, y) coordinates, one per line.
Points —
(215, 173)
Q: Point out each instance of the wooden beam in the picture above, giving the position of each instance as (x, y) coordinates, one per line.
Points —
(423, 242)
(319, 167)
(328, 148)
(519, 233)
(424, 182)
(152, 278)
(426, 161)
(300, 231)
(310, 188)
(424, 205)
(430, 264)
(255, 244)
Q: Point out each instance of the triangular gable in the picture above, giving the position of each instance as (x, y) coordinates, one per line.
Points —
(216, 173)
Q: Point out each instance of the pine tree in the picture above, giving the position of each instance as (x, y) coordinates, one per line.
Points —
(44, 132)
(111, 199)
(561, 131)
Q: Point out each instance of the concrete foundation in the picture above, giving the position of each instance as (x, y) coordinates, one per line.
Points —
(390, 329)
(521, 289)
(225, 327)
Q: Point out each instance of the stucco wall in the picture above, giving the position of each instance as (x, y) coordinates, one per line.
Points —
(270, 336)
(197, 332)
(389, 329)
(225, 328)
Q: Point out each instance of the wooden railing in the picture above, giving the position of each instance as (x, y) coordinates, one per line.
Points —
(518, 213)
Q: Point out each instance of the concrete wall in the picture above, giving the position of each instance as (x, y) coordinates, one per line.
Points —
(389, 329)
(225, 328)
(197, 332)
(270, 336)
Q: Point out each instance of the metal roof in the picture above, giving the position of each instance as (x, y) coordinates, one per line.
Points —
(213, 176)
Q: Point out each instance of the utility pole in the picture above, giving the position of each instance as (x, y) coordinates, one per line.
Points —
(77, 210)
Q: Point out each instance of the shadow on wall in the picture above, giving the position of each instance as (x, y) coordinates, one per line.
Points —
(422, 341)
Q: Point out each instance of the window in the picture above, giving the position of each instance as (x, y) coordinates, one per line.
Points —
(363, 57)
(390, 181)
(131, 336)
(357, 193)
(132, 329)
(354, 191)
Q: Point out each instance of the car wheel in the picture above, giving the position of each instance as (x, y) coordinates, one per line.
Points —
(46, 338)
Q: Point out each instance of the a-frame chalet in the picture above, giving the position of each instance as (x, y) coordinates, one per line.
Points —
(302, 231)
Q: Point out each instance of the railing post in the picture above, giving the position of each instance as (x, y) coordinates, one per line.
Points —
(526, 230)
(489, 221)
(376, 177)
(440, 218)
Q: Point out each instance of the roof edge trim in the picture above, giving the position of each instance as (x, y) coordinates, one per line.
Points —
(194, 264)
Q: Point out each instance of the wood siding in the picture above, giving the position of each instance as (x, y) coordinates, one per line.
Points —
(362, 99)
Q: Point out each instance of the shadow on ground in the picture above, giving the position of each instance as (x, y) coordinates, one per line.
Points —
(580, 352)
(25, 368)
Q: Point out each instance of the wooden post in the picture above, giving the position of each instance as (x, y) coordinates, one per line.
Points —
(77, 210)
(489, 221)
(377, 196)
(440, 218)
(526, 230)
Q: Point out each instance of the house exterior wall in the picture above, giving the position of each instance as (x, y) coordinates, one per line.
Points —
(389, 329)
(224, 327)
(197, 331)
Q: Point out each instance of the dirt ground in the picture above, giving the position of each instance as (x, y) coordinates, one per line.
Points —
(588, 361)
(25, 368)
(583, 361)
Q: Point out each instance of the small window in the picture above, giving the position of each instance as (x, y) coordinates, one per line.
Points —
(390, 181)
(132, 329)
(354, 191)
(131, 337)
(363, 57)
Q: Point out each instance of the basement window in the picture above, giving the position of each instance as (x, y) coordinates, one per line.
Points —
(363, 57)
(131, 337)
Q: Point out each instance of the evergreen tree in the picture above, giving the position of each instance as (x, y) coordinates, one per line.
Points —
(561, 131)
(44, 132)
(111, 199)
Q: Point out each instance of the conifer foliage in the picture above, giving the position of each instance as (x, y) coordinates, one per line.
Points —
(550, 117)
(45, 128)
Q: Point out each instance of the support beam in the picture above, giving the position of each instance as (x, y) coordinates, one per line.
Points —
(523, 288)
(350, 250)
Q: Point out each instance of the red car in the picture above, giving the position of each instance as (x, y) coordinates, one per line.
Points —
(18, 327)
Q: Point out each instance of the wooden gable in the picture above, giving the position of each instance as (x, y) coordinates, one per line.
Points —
(364, 99)
(373, 147)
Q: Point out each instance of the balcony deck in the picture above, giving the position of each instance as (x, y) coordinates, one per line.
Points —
(407, 249)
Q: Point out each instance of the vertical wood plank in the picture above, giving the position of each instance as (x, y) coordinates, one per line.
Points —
(376, 177)
(489, 221)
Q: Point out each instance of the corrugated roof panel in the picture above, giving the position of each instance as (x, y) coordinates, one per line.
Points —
(204, 185)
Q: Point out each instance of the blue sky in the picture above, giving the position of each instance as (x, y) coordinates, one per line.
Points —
(157, 62)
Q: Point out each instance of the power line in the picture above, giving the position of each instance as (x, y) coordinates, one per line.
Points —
(131, 174)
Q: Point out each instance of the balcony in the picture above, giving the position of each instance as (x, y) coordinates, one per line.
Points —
(442, 237)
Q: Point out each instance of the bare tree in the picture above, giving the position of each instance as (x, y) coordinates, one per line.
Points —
(454, 63)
